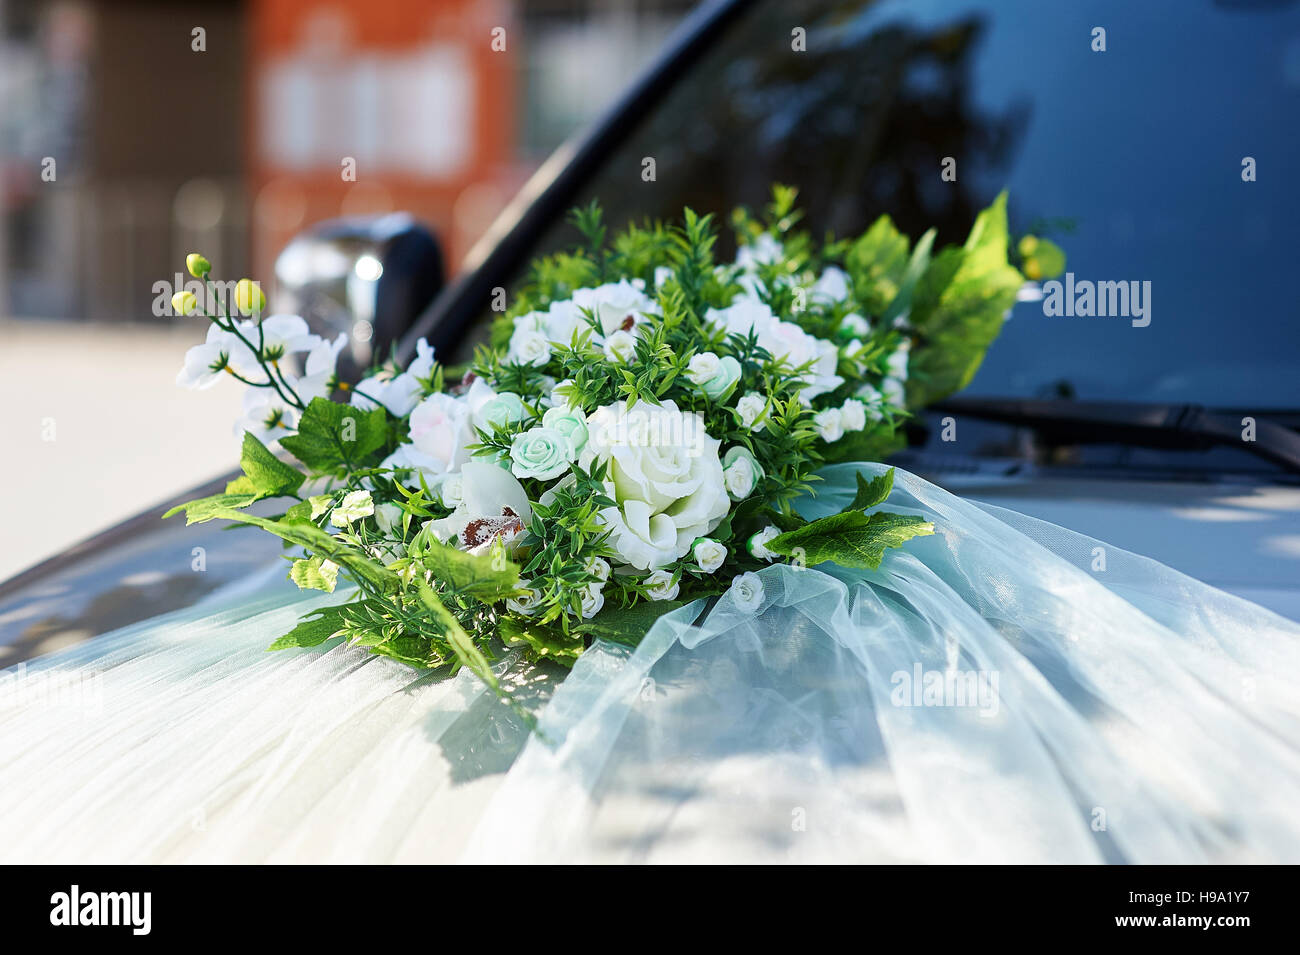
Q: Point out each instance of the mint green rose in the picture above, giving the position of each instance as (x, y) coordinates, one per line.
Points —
(501, 409)
(715, 376)
(543, 453)
(570, 422)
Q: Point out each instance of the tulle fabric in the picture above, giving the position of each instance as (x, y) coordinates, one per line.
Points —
(1004, 691)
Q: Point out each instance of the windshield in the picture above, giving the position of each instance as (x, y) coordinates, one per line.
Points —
(1165, 161)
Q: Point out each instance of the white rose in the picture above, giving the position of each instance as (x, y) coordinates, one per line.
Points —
(758, 543)
(747, 591)
(709, 554)
(620, 347)
(526, 601)
(751, 410)
(616, 306)
(440, 430)
(832, 286)
(853, 415)
(664, 475)
(388, 517)
(762, 251)
(659, 585)
(741, 473)
(450, 490)
(894, 392)
(703, 367)
(783, 340)
(873, 399)
(562, 395)
(855, 325)
(829, 424)
(898, 361)
(592, 600)
(529, 346)
(597, 567)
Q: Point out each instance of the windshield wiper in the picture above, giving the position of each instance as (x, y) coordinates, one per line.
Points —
(1183, 427)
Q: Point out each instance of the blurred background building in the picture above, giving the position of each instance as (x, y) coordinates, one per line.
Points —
(134, 131)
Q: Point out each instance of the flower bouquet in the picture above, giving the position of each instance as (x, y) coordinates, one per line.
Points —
(636, 436)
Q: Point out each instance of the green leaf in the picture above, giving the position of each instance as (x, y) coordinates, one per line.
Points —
(208, 508)
(470, 656)
(851, 538)
(916, 267)
(320, 543)
(629, 624)
(551, 643)
(413, 651)
(876, 444)
(334, 437)
(267, 474)
(315, 629)
(958, 308)
(488, 577)
(878, 261)
(312, 574)
(870, 493)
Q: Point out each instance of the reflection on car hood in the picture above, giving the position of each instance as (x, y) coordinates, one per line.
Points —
(1242, 538)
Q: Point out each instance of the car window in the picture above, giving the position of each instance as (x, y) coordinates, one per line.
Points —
(1166, 159)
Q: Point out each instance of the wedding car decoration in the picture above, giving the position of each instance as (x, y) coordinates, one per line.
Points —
(636, 435)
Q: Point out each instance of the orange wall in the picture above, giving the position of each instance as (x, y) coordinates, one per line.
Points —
(337, 36)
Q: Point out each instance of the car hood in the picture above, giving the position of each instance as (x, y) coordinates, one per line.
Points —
(1242, 538)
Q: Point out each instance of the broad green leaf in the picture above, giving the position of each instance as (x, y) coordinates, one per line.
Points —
(548, 642)
(315, 573)
(850, 538)
(315, 629)
(334, 437)
(876, 444)
(958, 308)
(870, 493)
(878, 262)
(470, 656)
(489, 577)
(208, 508)
(629, 624)
(267, 474)
(916, 267)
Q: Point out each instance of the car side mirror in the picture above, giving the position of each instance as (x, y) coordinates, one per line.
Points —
(369, 277)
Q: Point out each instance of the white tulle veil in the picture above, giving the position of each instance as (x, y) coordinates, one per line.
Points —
(990, 694)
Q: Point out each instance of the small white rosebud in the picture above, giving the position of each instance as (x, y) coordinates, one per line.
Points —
(660, 585)
(853, 415)
(855, 325)
(829, 424)
(757, 543)
(526, 601)
(592, 600)
(751, 409)
(747, 591)
(702, 367)
(709, 554)
(598, 567)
